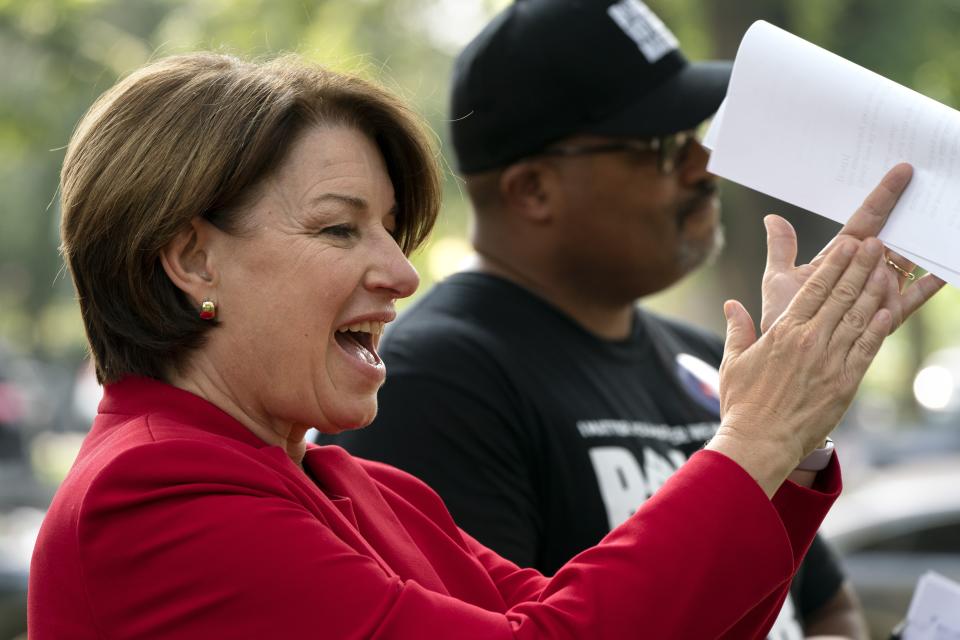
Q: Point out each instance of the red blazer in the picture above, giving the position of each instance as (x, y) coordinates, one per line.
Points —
(177, 522)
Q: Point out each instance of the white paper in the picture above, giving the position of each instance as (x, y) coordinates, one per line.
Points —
(810, 128)
(945, 272)
(934, 612)
(710, 138)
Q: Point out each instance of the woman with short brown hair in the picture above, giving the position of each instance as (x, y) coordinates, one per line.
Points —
(238, 234)
(189, 137)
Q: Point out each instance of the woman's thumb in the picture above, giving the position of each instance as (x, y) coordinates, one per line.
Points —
(740, 331)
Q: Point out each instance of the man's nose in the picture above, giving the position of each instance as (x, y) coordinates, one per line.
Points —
(693, 168)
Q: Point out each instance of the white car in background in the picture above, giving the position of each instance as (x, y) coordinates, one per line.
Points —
(897, 523)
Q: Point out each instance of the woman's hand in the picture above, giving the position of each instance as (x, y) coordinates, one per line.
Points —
(781, 395)
(782, 278)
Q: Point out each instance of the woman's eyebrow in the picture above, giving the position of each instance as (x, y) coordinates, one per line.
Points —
(354, 202)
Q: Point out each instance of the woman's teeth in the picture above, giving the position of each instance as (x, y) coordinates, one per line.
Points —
(374, 327)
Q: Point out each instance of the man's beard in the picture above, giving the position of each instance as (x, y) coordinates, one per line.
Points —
(693, 254)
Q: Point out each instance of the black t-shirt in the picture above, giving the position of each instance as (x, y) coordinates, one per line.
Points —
(540, 436)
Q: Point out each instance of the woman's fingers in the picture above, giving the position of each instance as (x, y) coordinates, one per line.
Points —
(900, 266)
(740, 331)
(856, 319)
(855, 292)
(820, 285)
(867, 221)
(900, 261)
(781, 244)
(865, 348)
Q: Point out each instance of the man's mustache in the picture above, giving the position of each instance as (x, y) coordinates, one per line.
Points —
(704, 192)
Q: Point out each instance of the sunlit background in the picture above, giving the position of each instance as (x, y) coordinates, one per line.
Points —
(58, 55)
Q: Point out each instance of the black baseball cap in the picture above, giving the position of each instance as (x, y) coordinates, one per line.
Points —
(543, 70)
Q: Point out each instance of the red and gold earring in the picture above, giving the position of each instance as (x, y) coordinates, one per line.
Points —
(208, 310)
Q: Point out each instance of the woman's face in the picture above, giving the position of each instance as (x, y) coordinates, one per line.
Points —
(304, 289)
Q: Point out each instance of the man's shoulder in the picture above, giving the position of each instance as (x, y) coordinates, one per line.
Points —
(679, 332)
(451, 307)
(468, 314)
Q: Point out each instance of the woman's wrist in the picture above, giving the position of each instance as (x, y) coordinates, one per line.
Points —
(819, 458)
(767, 461)
(806, 472)
(803, 478)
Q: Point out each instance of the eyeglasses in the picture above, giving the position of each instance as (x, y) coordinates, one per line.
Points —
(672, 149)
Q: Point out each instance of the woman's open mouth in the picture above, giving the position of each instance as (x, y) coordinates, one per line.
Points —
(360, 340)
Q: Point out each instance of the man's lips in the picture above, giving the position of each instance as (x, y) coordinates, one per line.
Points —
(704, 198)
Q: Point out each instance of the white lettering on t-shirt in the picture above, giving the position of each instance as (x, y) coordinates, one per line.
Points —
(622, 485)
(658, 469)
(672, 434)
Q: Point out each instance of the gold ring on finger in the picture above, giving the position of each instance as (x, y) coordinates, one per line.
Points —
(903, 272)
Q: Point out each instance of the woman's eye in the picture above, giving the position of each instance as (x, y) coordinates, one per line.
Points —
(345, 231)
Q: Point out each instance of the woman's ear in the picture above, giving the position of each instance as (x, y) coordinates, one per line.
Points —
(525, 187)
(188, 262)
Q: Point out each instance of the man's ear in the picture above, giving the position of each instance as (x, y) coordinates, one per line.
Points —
(526, 188)
(188, 262)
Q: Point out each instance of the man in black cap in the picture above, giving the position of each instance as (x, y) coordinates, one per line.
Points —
(531, 392)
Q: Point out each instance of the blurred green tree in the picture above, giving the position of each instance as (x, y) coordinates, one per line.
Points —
(58, 55)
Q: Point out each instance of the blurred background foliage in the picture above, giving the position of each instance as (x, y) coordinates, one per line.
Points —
(58, 55)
